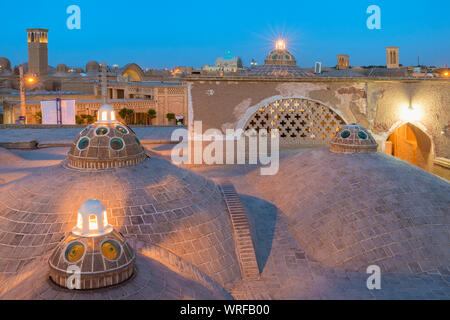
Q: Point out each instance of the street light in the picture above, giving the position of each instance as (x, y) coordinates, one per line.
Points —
(23, 80)
(30, 79)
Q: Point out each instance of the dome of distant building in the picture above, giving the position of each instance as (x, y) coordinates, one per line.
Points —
(5, 64)
(92, 66)
(280, 55)
(279, 63)
(61, 68)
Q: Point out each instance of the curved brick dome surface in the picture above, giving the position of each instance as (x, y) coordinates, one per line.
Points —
(153, 201)
(353, 210)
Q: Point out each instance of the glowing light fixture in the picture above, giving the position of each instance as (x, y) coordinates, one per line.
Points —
(106, 114)
(92, 220)
(411, 113)
(280, 44)
(30, 79)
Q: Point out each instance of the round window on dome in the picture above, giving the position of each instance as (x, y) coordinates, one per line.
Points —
(275, 57)
(111, 249)
(122, 130)
(345, 134)
(287, 57)
(362, 135)
(84, 131)
(83, 143)
(74, 252)
(116, 144)
(101, 131)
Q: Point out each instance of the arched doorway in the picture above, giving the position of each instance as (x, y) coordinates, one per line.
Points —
(299, 121)
(408, 142)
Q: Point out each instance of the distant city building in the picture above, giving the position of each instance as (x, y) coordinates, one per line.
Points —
(280, 55)
(279, 63)
(253, 63)
(37, 51)
(5, 65)
(343, 62)
(225, 64)
(392, 58)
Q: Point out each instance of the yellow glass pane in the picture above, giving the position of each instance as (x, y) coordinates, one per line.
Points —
(74, 252)
(110, 250)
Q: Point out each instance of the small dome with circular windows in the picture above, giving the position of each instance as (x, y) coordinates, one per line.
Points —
(106, 144)
(280, 55)
(353, 138)
(101, 254)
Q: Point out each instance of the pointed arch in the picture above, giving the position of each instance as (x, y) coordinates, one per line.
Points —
(415, 135)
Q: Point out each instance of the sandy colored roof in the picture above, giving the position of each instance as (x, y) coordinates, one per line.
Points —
(350, 211)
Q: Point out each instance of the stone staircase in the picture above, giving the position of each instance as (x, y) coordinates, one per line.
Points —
(245, 250)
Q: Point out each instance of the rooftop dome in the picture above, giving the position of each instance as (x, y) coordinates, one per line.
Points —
(106, 144)
(280, 55)
(353, 138)
(101, 253)
(350, 211)
(92, 66)
(154, 201)
(5, 64)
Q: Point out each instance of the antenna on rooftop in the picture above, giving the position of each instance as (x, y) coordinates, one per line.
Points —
(104, 83)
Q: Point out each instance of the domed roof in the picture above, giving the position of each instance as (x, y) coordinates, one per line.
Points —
(5, 64)
(350, 211)
(92, 66)
(103, 261)
(280, 57)
(106, 144)
(353, 138)
(154, 201)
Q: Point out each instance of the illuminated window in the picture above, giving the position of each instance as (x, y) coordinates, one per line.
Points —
(104, 116)
(80, 221)
(113, 116)
(105, 219)
(93, 225)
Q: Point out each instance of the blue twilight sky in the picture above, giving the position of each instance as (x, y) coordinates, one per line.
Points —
(159, 34)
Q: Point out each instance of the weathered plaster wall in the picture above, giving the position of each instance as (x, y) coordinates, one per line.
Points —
(376, 105)
(388, 100)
